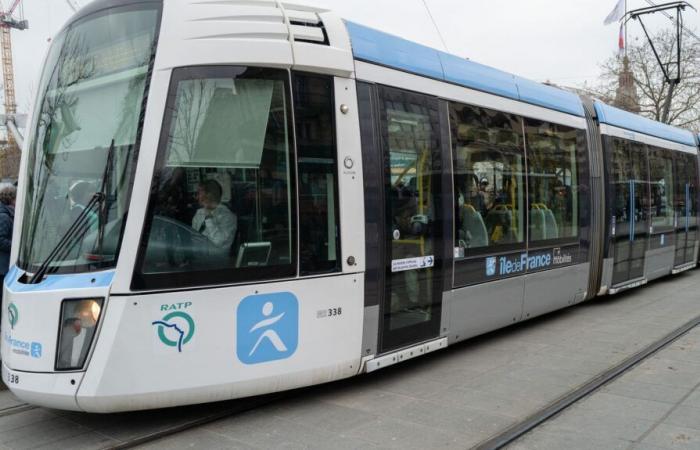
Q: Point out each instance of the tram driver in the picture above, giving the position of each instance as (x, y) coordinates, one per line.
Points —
(214, 220)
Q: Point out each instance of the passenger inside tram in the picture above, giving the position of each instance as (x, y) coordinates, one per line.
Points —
(213, 220)
(497, 198)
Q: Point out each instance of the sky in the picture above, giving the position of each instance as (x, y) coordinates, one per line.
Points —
(562, 41)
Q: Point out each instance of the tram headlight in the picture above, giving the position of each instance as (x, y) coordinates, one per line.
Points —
(79, 319)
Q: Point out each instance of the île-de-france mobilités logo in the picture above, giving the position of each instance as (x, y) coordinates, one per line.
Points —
(12, 315)
(175, 329)
(267, 327)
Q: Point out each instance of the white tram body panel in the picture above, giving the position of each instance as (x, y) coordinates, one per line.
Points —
(186, 341)
(129, 367)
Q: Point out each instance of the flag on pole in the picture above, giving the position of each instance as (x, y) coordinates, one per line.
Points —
(621, 41)
(617, 13)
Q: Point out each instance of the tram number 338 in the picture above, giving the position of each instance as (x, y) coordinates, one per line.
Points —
(12, 378)
(329, 312)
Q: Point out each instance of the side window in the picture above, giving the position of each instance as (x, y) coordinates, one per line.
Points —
(553, 177)
(662, 187)
(319, 239)
(692, 189)
(489, 173)
(222, 199)
(686, 191)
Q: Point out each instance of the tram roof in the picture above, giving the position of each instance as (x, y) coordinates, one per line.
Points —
(377, 47)
(634, 122)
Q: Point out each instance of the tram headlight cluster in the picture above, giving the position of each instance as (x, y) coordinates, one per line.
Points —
(79, 319)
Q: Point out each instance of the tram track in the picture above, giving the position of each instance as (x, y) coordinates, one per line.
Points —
(240, 407)
(16, 409)
(547, 413)
(498, 441)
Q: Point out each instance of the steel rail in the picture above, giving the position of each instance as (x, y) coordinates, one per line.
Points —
(16, 409)
(533, 421)
(248, 405)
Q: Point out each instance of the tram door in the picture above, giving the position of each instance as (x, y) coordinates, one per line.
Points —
(410, 135)
(686, 208)
(629, 175)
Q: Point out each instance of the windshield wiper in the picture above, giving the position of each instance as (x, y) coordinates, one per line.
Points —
(76, 231)
(104, 206)
(81, 225)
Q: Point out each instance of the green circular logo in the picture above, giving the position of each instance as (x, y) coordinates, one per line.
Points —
(13, 315)
(185, 335)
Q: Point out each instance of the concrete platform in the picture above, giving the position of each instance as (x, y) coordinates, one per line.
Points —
(653, 407)
(454, 398)
(464, 395)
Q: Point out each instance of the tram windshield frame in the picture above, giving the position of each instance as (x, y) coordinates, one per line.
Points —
(85, 137)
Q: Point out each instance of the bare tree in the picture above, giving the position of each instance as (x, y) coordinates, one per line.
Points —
(651, 85)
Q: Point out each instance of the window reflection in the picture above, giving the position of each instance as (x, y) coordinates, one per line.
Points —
(223, 204)
(489, 178)
(553, 173)
(662, 186)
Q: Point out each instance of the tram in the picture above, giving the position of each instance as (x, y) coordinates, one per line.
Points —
(230, 198)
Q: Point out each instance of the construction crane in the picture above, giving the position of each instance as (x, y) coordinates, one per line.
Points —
(9, 163)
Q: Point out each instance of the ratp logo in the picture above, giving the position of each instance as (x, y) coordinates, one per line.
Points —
(491, 266)
(12, 315)
(267, 327)
(175, 329)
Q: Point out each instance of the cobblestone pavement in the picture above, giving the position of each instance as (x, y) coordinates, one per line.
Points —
(654, 406)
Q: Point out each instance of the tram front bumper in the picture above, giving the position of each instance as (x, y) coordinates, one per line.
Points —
(51, 390)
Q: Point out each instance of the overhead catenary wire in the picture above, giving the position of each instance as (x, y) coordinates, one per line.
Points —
(672, 19)
(432, 19)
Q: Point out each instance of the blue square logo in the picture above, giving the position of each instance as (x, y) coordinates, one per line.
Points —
(267, 327)
(491, 266)
(35, 350)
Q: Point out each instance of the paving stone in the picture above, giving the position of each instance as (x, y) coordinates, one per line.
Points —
(197, 439)
(563, 440)
(8, 400)
(458, 420)
(387, 432)
(620, 405)
(684, 416)
(86, 441)
(369, 400)
(674, 437)
(514, 407)
(23, 420)
(326, 416)
(413, 385)
(646, 446)
(574, 363)
(666, 374)
(559, 377)
(602, 423)
(693, 399)
(646, 391)
(41, 433)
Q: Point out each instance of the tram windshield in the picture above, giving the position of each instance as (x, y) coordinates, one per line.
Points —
(84, 139)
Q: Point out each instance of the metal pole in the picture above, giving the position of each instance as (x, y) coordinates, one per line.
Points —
(667, 104)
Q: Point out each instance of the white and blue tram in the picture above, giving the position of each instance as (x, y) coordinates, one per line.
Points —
(229, 198)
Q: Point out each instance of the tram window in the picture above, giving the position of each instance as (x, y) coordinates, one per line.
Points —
(662, 187)
(319, 240)
(553, 180)
(692, 190)
(224, 182)
(489, 179)
(686, 191)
